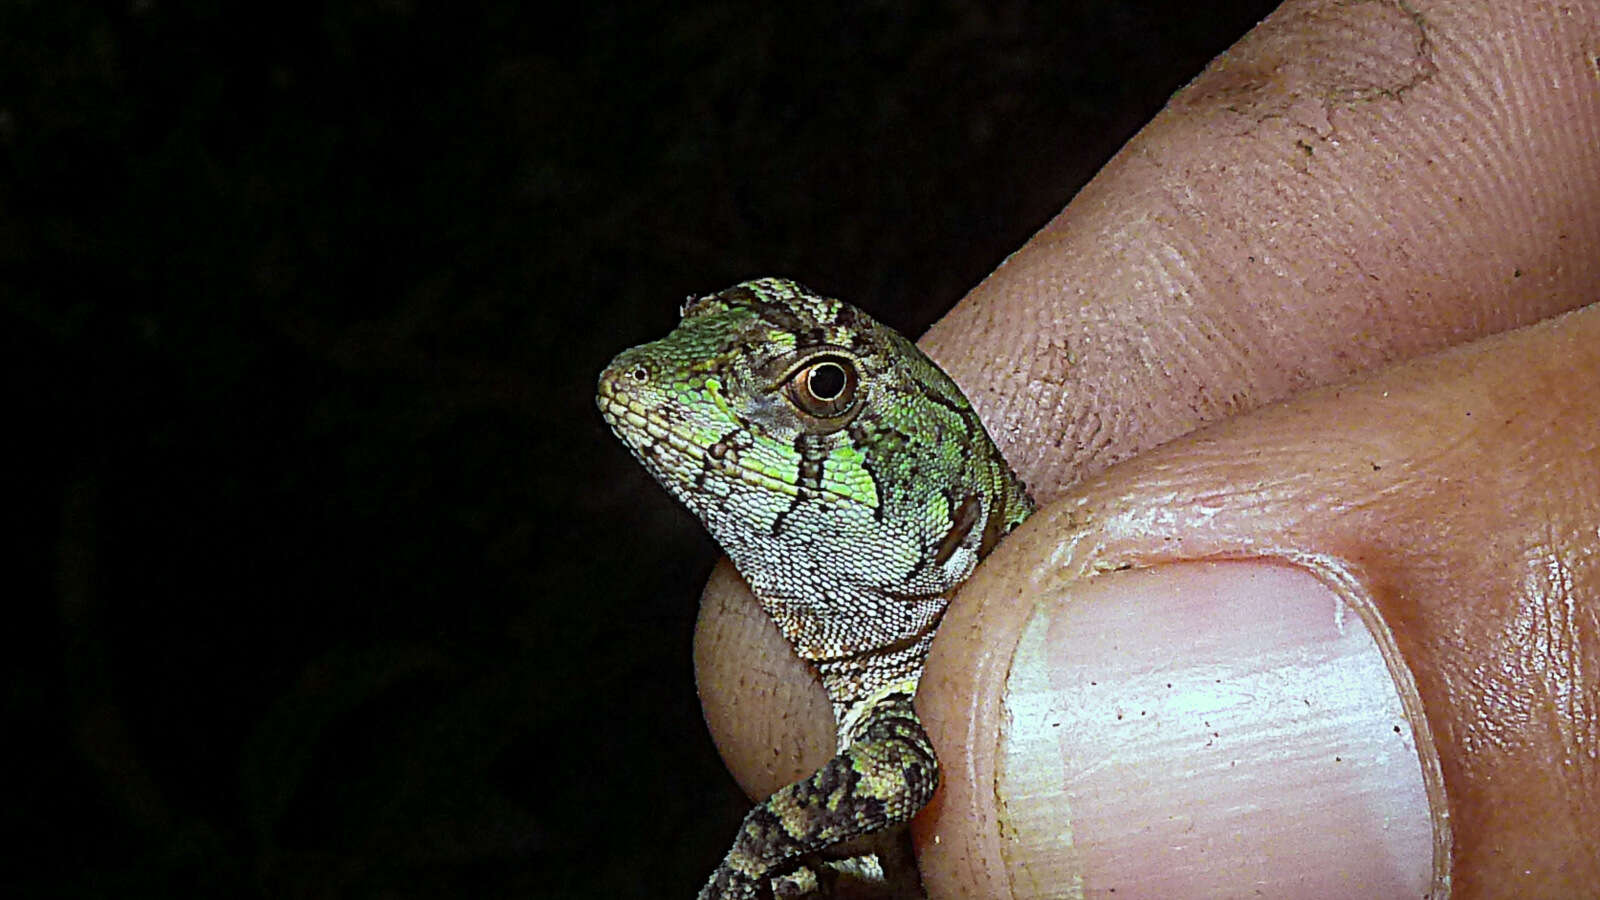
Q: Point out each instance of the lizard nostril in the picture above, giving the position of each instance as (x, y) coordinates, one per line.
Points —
(639, 374)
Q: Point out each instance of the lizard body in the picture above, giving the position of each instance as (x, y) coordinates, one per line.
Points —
(854, 488)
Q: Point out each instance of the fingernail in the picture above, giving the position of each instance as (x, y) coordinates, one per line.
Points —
(1215, 729)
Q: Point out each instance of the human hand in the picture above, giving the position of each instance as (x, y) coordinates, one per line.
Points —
(1350, 187)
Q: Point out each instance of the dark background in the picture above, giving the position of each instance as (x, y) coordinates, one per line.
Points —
(328, 580)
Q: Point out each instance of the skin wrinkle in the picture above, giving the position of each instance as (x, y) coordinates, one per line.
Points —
(1558, 626)
(1184, 348)
(1533, 650)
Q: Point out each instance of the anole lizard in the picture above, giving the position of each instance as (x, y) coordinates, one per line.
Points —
(854, 488)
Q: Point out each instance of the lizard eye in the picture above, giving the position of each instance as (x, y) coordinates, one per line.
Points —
(826, 387)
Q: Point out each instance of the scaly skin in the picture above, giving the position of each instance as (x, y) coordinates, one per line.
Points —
(854, 488)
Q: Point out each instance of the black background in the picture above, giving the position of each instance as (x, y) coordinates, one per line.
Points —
(328, 580)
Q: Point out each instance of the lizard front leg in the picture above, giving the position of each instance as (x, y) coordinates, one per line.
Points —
(878, 781)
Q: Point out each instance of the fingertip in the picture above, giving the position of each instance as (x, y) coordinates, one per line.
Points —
(1195, 729)
(764, 706)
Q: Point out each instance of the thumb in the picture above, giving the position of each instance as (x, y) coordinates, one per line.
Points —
(1348, 645)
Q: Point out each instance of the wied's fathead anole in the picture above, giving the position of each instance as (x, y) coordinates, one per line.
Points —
(854, 488)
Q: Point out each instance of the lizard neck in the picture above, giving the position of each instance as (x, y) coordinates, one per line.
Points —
(856, 678)
(857, 684)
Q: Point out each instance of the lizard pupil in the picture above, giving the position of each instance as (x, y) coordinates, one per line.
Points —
(826, 381)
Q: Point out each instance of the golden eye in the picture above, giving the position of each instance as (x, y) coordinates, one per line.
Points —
(826, 387)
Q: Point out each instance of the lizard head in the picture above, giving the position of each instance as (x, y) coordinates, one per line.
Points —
(824, 452)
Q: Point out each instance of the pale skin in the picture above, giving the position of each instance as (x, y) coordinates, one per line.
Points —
(1354, 188)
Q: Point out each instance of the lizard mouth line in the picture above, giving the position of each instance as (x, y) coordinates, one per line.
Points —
(629, 424)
